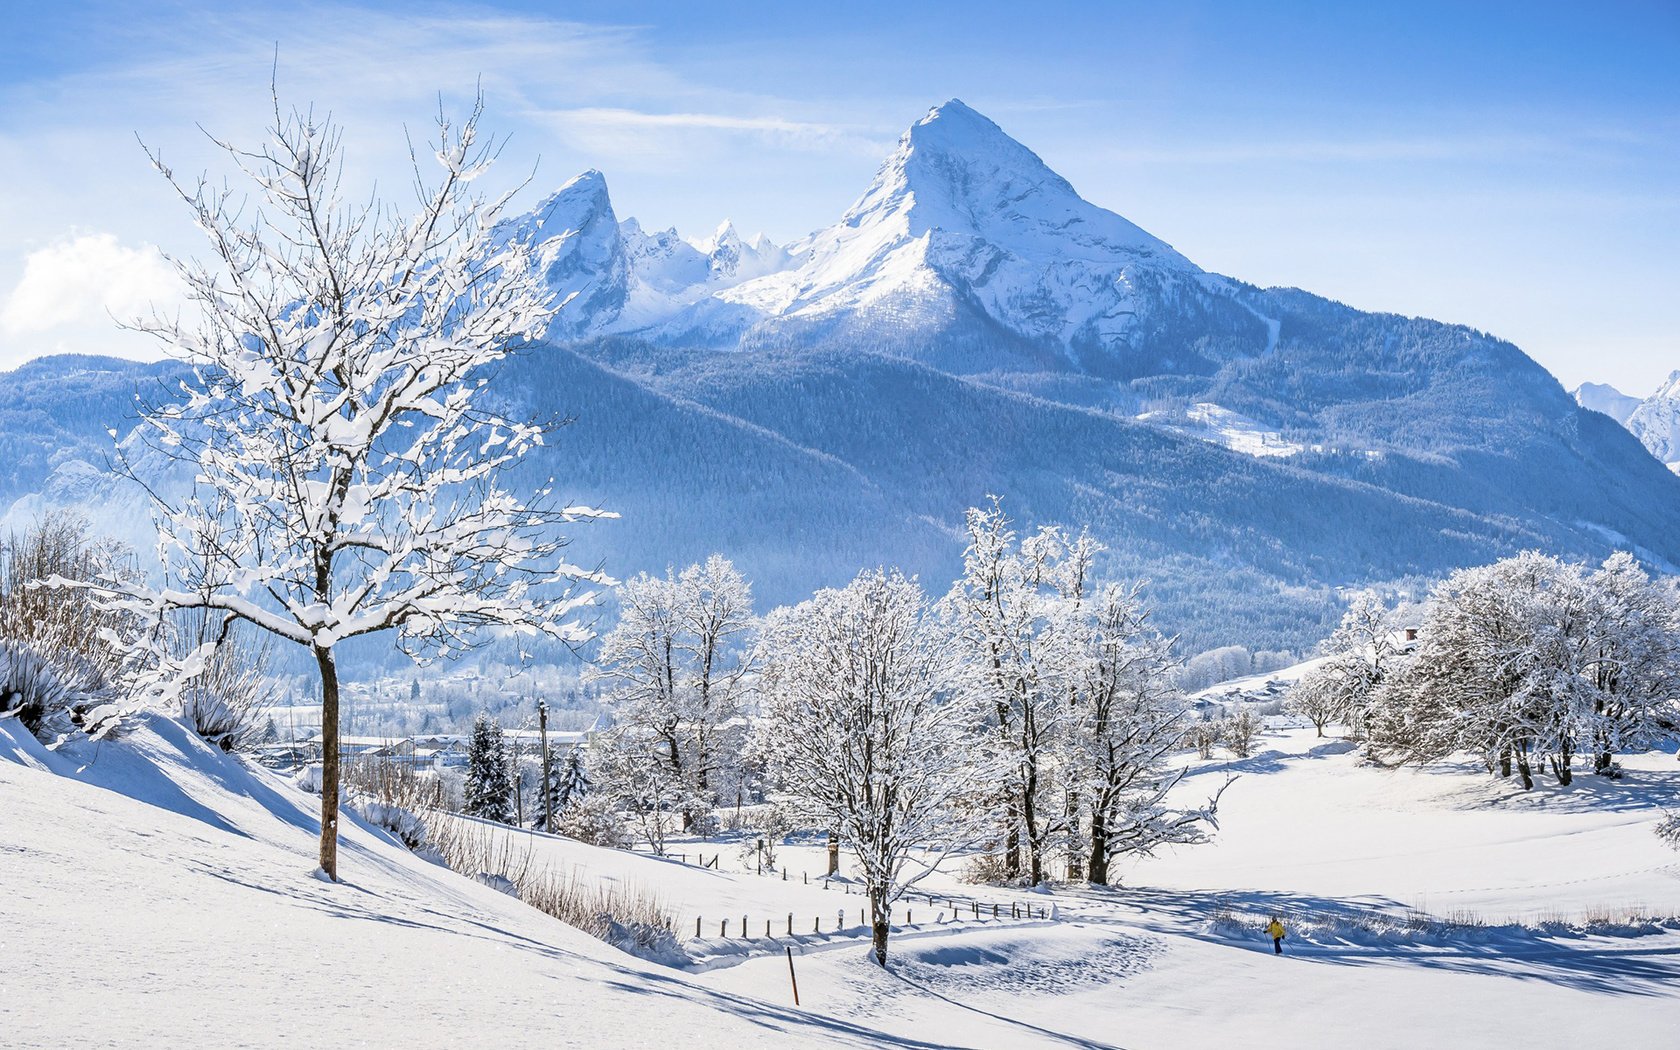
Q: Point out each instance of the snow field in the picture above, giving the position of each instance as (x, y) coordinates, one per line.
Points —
(159, 893)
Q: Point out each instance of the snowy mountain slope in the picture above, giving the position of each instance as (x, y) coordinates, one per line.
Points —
(967, 251)
(609, 275)
(1602, 397)
(1656, 422)
(974, 327)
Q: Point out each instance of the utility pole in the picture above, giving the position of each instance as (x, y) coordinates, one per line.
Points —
(547, 795)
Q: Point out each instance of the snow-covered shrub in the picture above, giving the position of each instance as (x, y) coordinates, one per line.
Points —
(987, 867)
(766, 831)
(60, 650)
(223, 699)
(32, 689)
(409, 829)
(1668, 828)
(593, 820)
(1203, 736)
(397, 784)
(1238, 732)
(627, 917)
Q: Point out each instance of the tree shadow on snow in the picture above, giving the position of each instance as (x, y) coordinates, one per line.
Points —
(1375, 931)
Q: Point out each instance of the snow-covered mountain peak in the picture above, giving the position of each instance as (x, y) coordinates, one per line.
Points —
(1602, 397)
(1670, 390)
(571, 207)
(1656, 422)
(964, 238)
(955, 171)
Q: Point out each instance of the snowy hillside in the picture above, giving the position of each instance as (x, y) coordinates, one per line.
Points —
(159, 892)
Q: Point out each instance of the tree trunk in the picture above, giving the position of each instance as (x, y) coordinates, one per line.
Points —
(1099, 850)
(1523, 770)
(1076, 862)
(880, 924)
(1563, 767)
(329, 761)
(1505, 762)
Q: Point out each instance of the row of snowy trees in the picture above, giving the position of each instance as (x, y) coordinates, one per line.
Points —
(1527, 663)
(1031, 710)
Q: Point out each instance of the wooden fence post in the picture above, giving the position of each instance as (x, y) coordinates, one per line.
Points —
(792, 977)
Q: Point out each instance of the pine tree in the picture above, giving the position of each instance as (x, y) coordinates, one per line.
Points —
(572, 782)
(568, 784)
(489, 789)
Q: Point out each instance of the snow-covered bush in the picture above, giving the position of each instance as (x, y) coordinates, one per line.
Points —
(32, 689)
(593, 820)
(392, 795)
(223, 701)
(1668, 828)
(629, 918)
(1238, 732)
(409, 828)
(61, 651)
(1203, 736)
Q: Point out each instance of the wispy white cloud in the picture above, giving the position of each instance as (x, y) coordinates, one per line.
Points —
(616, 129)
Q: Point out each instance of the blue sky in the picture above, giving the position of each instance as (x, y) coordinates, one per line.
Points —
(1514, 167)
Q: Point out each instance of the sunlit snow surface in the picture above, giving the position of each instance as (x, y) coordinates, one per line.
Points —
(160, 893)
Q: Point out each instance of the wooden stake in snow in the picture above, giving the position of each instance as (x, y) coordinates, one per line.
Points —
(792, 977)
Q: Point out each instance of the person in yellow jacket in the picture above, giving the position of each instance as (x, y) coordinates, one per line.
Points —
(1277, 933)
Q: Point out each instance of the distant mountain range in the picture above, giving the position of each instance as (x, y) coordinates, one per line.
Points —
(972, 326)
(1654, 420)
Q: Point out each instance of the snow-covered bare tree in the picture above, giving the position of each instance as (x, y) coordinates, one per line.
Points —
(347, 463)
(1360, 654)
(868, 729)
(1530, 661)
(1130, 718)
(677, 665)
(1633, 658)
(1316, 697)
(1008, 604)
(631, 771)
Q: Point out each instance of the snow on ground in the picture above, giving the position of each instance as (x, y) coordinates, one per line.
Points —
(156, 892)
(1265, 684)
(1218, 425)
